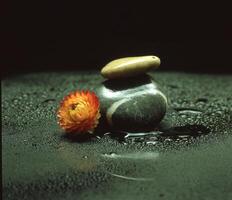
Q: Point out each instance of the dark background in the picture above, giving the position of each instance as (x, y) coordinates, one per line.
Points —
(39, 36)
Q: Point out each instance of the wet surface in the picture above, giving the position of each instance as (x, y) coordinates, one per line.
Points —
(173, 134)
(188, 156)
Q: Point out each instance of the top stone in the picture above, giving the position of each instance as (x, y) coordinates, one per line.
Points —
(130, 66)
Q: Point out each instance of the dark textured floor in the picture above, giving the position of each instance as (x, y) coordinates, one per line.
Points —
(39, 162)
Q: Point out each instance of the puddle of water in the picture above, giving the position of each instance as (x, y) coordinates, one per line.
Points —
(178, 133)
(138, 166)
(187, 130)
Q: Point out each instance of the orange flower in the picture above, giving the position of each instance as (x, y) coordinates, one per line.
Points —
(79, 112)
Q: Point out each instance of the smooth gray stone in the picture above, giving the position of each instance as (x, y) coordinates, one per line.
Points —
(131, 104)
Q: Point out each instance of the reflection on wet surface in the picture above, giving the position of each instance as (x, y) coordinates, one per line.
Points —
(130, 178)
(140, 165)
(137, 155)
(134, 166)
(176, 133)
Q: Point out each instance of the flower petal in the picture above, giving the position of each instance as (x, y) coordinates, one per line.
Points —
(79, 112)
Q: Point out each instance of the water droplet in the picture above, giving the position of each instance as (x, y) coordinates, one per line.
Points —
(183, 136)
(168, 140)
(151, 142)
(25, 95)
(48, 100)
(185, 111)
(15, 101)
(202, 100)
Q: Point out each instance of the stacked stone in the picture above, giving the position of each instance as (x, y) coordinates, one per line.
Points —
(130, 99)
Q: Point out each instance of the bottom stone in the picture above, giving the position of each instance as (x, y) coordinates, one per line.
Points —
(132, 104)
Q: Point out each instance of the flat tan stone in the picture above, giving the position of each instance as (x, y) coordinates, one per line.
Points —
(130, 66)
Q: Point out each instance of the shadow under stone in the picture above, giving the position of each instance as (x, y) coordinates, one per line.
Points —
(127, 83)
